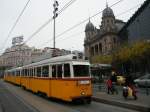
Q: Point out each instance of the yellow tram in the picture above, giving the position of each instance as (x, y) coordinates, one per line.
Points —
(64, 77)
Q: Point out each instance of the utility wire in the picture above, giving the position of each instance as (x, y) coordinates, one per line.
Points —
(78, 24)
(39, 29)
(128, 10)
(93, 16)
(49, 20)
(14, 25)
(73, 35)
(66, 6)
(45, 24)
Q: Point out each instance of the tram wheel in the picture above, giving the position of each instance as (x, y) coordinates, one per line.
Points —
(88, 101)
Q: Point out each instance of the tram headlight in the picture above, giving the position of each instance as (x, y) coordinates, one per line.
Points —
(82, 93)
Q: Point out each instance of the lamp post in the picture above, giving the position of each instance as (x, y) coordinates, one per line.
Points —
(55, 5)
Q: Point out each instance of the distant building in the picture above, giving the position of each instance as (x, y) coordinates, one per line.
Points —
(138, 26)
(17, 40)
(104, 40)
(49, 52)
(18, 54)
(79, 54)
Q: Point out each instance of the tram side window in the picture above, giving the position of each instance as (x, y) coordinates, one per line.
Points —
(38, 71)
(28, 72)
(25, 72)
(81, 70)
(34, 72)
(45, 71)
(13, 73)
(66, 70)
(31, 72)
(59, 70)
(17, 73)
(54, 71)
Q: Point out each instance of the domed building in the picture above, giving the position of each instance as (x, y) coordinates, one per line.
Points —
(104, 40)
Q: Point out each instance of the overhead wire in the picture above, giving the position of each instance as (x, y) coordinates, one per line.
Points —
(94, 16)
(128, 10)
(14, 25)
(49, 20)
(45, 24)
(67, 5)
(78, 24)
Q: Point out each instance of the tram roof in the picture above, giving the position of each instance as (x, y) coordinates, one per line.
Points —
(66, 58)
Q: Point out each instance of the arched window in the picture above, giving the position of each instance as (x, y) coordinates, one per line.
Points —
(100, 48)
(114, 39)
(96, 49)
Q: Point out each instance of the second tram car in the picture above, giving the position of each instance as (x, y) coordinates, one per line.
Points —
(63, 77)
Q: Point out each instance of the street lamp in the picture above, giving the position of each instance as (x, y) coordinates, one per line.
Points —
(55, 5)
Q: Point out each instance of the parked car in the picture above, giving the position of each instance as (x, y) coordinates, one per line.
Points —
(120, 80)
(143, 81)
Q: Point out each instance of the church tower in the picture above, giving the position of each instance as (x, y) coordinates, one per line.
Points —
(89, 34)
(108, 20)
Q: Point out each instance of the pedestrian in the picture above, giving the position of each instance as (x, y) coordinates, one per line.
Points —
(114, 82)
(130, 84)
(109, 85)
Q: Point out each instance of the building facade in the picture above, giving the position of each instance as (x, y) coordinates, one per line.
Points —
(20, 54)
(138, 26)
(104, 40)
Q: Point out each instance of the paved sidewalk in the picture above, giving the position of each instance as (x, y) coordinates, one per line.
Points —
(141, 104)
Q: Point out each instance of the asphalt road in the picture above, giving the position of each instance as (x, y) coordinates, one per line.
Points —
(10, 102)
(15, 99)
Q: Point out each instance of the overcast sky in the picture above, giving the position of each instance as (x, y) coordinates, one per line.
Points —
(39, 11)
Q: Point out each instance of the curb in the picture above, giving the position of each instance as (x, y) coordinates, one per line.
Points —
(121, 104)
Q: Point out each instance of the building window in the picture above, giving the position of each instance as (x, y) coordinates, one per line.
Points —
(96, 49)
(107, 21)
(114, 39)
(92, 51)
(100, 48)
(112, 21)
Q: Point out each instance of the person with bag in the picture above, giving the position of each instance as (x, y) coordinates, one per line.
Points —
(109, 86)
(129, 88)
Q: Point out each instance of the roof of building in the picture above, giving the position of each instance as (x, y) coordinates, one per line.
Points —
(137, 13)
(89, 26)
(107, 12)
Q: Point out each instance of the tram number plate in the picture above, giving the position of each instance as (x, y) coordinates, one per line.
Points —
(84, 82)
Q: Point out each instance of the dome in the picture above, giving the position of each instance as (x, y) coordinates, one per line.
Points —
(89, 27)
(107, 12)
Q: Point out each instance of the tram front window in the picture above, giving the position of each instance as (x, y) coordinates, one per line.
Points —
(81, 70)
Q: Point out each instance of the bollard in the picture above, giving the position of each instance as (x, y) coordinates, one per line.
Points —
(99, 87)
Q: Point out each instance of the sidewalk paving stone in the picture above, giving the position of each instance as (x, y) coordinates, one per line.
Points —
(141, 104)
